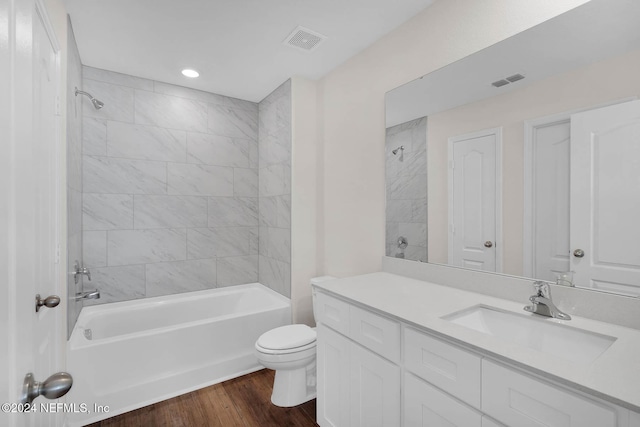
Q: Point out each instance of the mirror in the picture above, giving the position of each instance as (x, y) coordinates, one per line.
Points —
(524, 158)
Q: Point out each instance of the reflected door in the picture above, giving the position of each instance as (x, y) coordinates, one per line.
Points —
(605, 198)
(473, 200)
(550, 200)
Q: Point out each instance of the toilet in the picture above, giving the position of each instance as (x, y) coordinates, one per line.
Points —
(291, 352)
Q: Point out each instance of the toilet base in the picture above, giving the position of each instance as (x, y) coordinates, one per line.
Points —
(293, 387)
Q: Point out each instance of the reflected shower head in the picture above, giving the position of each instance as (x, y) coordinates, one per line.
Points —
(97, 104)
(401, 148)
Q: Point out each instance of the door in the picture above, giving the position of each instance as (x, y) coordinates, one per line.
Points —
(605, 198)
(374, 398)
(333, 378)
(474, 200)
(32, 214)
(550, 201)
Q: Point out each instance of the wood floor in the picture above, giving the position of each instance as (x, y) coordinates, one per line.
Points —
(241, 402)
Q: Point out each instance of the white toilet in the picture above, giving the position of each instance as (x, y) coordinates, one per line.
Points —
(291, 352)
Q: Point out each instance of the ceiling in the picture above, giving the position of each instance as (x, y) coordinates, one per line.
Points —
(592, 32)
(236, 45)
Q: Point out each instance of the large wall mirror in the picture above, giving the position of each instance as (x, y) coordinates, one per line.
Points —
(524, 158)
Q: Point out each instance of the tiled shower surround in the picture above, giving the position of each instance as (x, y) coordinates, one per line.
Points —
(170, 192)
(275, 189)
(406, 180)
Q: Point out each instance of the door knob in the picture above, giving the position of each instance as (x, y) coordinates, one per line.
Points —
(57, 385)
(488, 244)
(50, 301)
(578, 253)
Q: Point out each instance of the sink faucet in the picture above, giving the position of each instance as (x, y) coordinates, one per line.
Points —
(541, 302)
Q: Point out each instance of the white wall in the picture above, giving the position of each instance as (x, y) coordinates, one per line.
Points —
(352, 224)
(303, 197)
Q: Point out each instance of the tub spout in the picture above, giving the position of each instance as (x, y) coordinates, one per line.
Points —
(88, 295)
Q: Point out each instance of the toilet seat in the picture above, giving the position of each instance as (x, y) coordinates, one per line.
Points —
(287, 339)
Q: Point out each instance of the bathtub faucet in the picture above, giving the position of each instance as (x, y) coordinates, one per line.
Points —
(88, 295)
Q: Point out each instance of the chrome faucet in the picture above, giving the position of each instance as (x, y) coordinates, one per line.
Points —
(541, 302)
(87, 295)
(79, 271)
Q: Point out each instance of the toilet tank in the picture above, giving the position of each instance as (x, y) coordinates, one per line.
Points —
(315, 281)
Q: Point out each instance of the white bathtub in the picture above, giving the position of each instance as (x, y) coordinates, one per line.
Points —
(141, 352)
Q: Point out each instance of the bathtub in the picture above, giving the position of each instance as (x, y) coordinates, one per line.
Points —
(131, 354)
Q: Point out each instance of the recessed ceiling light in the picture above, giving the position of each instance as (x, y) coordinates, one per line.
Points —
(190, 73)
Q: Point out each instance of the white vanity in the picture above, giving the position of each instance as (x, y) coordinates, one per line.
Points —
(393, 351)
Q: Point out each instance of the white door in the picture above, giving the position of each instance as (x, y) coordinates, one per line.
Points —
(31, 217)
(550, 200)
(605, 198)
(474, 200)
(375, 382)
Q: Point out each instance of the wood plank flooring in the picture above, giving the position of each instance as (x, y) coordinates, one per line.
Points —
(241, 402)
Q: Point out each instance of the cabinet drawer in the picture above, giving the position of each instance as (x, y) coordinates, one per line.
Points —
(448, 367)
(375, 332)
(332, 312)
(520, 400)
(425, 405)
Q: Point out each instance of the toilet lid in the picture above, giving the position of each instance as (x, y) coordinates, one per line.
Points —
(286, 337)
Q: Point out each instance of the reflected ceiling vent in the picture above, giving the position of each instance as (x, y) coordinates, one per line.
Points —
(304, 39)
(515, 78)
(507, 80)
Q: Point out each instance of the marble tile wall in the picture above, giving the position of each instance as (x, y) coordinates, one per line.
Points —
(171, 191)
(274, 189)
(74, 177)
(406, 181)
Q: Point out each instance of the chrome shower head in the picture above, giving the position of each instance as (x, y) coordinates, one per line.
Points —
(97, 104)
(401, 148)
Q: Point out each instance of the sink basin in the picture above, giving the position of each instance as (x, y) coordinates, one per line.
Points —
(539, 334)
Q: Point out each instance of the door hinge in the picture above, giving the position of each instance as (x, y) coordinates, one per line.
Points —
(452, 164)
(57, 255)
(452, 228)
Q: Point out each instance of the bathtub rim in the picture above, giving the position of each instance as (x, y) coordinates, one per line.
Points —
(78, 340)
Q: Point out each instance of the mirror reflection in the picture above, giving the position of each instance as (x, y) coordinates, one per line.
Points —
(524, 158)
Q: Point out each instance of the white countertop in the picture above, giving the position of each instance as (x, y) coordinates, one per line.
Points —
(614, 376)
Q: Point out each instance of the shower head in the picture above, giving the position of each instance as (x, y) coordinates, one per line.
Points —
(401, 148)
(97, 104)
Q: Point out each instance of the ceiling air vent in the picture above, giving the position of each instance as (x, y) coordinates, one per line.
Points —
(304, 39)
(507, 80)
(500, 83)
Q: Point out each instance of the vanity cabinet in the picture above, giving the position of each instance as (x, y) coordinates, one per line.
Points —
(356, 387)
(377, 371)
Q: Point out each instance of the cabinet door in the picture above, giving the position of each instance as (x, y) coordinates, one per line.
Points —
(426, 406)
(374, 389)
(333, 378)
